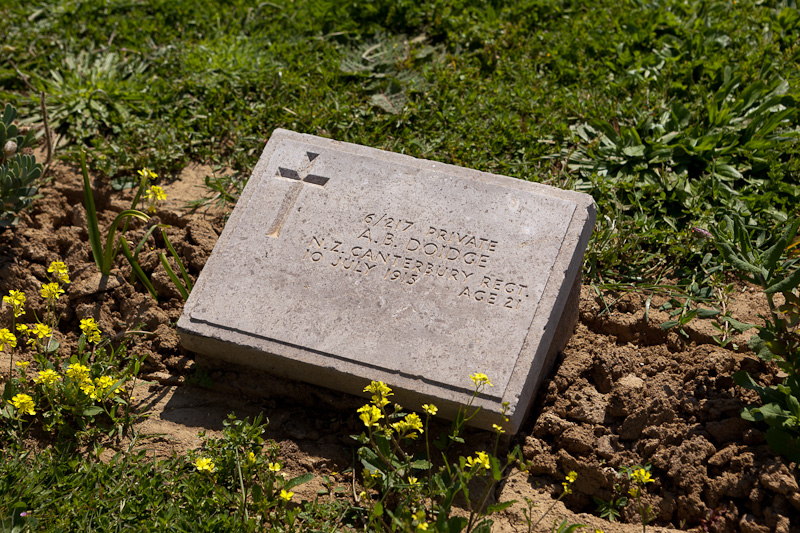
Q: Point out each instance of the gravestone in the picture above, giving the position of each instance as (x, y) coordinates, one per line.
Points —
(342, 264)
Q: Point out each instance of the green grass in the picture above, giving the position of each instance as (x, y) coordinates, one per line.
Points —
(671, 114)
(527, 89)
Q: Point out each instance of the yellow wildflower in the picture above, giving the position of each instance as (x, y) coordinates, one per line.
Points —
(6, 337)
(370, 414)
(60, 270)
(154, 195)
(22, 364)
(408, 426)
(89, 389)
(78, 372)
(24, 404)
(205, 465)
(480, 379)
(568, 481)
(380, 392)
(422, 526)
(251, 457)
(641, 477)
(430, 409)
(498, 429)
(413, 481)
(90, 329)
(102, 384)
(16, 299)
(39, 330)
(286, 495)
(481, 459)
(52, 291)
(47, 378)
(274, 467)
(147, 173)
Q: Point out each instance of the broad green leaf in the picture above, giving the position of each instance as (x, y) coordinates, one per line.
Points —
(775, 252)
(787, 284)
(299, 480)
(92, 411)
(784, 443)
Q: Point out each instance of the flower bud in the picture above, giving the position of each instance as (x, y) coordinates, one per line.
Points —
(9, 149)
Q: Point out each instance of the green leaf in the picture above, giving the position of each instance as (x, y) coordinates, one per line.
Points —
(735, 259)
(91, 216)
(172, 276)
(707, 313)
(494, 508)
(92, 411)
(787, 284)
(126, 251)
(669, 324)
(775, 252)
(741, 327)
(299, 480)
(634, 151)
(456, 524)
(727, 171)
(784, 443)
(421, 464)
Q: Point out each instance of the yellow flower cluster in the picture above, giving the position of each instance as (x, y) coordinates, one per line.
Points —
(641, 477)
(52, 291)
(568, 481)
(97, 389)
(60, 271)
(480, 459)
(380, 392)
(7, 338)
(204, 464)
(481, 380)
(16, 299)
(48, 378)
(91, 330)
(154, 195)
(146, 173)
(370, 415)
(430, 409)
(38, 331)
(24, 404)
(78, 372)
(408, 426)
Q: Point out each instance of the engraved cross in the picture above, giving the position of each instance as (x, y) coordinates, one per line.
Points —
(294, 192)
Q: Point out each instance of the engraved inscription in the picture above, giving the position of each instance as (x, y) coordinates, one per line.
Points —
(393, 249)
(291, 197)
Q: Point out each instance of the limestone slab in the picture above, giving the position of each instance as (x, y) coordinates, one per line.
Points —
(341, 264)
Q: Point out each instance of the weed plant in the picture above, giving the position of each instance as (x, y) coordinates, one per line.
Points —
(75, 399)
(19, 172)
(770, 260)
(403, 489)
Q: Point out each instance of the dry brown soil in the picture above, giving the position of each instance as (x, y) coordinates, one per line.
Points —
(624, 391)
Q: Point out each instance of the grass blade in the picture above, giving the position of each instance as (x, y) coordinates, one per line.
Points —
(91, 216)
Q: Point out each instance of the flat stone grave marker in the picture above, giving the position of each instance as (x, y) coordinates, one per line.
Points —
(342, 264)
